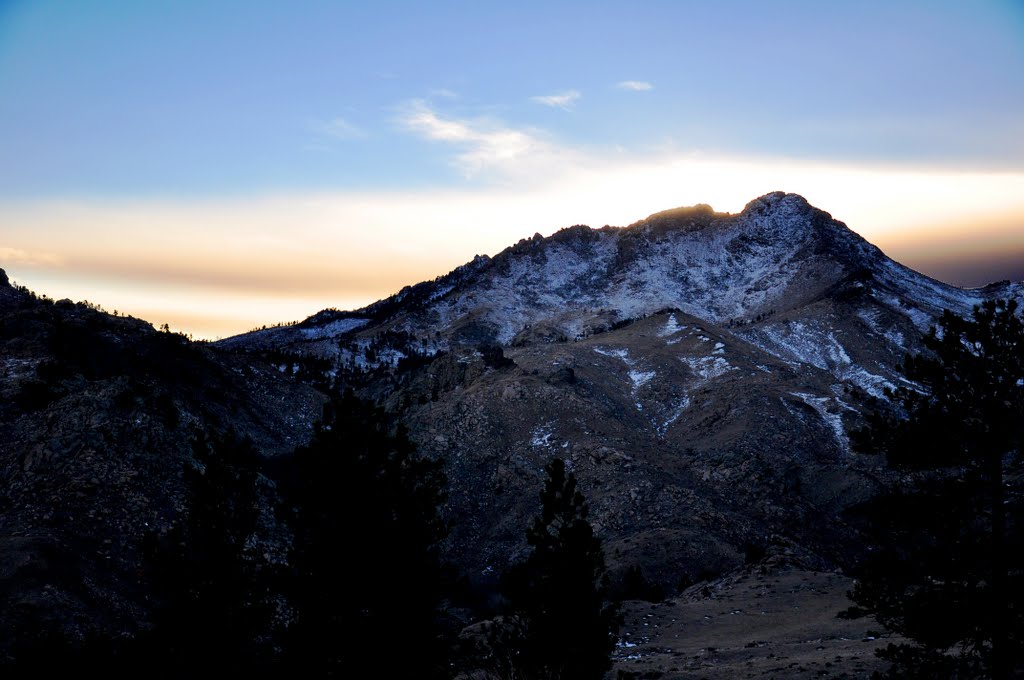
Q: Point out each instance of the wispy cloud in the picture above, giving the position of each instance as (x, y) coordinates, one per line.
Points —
(485, 144)
(444, 92)
(30, 258)
(634, 85)
(339, 128)
(565, 101)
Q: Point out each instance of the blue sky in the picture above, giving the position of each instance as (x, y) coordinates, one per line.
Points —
(136, 112)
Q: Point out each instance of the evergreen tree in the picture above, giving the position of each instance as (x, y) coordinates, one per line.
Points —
(560, 625)
(369, 584)
(947, 574)
(210, 592)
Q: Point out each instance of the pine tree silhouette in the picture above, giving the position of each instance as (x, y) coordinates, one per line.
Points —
(208, 588)
(369, 582)
(560, 624)
(948, 572)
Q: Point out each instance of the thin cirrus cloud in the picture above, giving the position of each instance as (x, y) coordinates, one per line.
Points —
(444, 92)
(485, 146)
(339, 128)
(634, 85)
(31, 258)
(565, 100)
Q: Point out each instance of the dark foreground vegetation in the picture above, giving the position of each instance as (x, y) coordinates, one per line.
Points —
(362, 591)
(948, 570)
(325, 561)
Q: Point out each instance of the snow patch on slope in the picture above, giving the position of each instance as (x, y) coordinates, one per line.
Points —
(618, 353)
(895, 338)
(637, 377)
(708, 368)
(809, 343)
(680, 405)
(640, 378)
(833, 420)
(671, 327)
(541, 436)
(870, 317)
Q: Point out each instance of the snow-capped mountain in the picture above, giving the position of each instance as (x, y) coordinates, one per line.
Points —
(761, 272)
(700, 371)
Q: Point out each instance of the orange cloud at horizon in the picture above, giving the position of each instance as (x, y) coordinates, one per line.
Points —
(967, 253)
(218, 267)
(193, 310)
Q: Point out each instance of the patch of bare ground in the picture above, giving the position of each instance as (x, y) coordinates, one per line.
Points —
(762, 622)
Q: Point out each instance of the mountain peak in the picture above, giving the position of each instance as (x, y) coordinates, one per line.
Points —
(779, 253)
(777, 200)
(774, 205)
(684, 212)
(687, 218)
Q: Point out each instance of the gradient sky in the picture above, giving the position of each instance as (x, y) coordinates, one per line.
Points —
(222, 165)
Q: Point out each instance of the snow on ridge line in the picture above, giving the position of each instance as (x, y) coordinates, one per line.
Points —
(922, 289)
(333, 329)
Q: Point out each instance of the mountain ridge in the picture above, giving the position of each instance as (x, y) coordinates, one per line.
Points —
(692, 364)
(740, 265)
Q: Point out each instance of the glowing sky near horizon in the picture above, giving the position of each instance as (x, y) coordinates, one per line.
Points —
(223, 165)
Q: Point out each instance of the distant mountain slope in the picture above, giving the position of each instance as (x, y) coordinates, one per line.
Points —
(97, 415)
